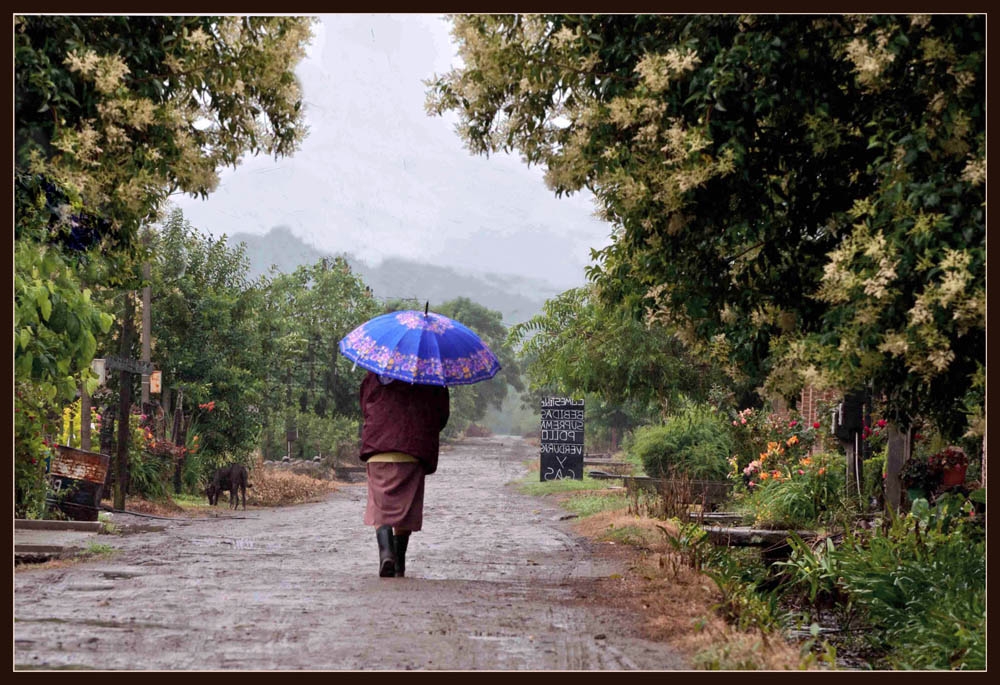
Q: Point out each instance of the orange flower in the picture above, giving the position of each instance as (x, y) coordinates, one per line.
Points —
(792, 440)
(765, 475)
(821, 471)
(806, 461)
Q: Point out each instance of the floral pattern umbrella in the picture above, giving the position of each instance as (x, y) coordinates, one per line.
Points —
(420, 347)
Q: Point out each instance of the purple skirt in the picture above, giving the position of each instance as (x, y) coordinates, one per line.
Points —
(395, 495)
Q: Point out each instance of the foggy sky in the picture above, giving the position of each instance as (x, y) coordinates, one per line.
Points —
(377, 177)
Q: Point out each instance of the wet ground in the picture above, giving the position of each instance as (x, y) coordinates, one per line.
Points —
(495, 581)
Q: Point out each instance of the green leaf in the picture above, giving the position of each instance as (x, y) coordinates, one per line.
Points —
(88, 347)
(23, 365)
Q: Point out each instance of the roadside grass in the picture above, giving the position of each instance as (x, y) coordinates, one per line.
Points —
(677, 603)
(590, 504)
(626, 535)
(187, 500)
(108, 527)
(529, 485)
(97, 550)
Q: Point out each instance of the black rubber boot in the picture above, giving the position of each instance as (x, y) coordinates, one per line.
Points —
(401, 541)
(386, 552)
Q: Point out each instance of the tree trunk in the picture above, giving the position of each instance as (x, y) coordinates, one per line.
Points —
(124, 403)
(898, 454)
(175, 438)
(84, 418)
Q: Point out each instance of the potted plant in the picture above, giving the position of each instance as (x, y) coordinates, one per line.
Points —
(919, 479)
(951, 463)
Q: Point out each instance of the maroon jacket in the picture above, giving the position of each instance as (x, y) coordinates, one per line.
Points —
(403, 417)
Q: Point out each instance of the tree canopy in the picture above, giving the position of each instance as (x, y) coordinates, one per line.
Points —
(579, 345)
(124, 110)
(469, 403)
(802, 197)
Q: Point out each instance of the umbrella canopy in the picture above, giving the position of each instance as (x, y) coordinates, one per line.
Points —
(420, 347)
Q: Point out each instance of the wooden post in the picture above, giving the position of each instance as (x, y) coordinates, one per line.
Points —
(176, 439)
(983, 475)
(146, 294)
(124, 404)
(898, 452)
(84, 418)
(855, 453)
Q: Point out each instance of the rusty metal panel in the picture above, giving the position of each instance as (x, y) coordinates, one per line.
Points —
(79, 464)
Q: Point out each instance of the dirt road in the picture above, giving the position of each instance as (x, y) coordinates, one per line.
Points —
(496, 581)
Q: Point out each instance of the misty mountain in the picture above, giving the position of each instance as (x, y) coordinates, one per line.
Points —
(515, 297)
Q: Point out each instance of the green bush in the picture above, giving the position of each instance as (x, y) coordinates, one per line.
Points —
(922, 585)
(873, 470)
(693, 444)
(805, 496)
(150, 475)
(918, 586)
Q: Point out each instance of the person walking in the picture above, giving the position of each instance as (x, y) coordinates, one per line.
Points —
(400, 440)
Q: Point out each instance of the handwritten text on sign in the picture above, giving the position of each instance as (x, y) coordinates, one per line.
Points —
(562, 439)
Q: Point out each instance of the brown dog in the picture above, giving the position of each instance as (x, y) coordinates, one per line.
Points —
(233, 478)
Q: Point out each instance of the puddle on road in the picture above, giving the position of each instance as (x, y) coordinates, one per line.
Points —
(115, 575)
(236, 543)
(130, 624)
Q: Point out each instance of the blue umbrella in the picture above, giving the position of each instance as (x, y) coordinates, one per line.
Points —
(420, 347)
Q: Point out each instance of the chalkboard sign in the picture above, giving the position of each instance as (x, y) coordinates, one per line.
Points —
(562, 439)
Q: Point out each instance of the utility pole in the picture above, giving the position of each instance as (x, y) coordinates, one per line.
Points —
(124, 404)
(84, 418)
(146, 318)
(897, 453)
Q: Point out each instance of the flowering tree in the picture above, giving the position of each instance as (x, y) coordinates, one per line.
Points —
(801, 196)
(124, 110)
(111, 115)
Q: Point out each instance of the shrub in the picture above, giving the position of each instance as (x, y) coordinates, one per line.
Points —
(802, 496)
(476, 431)
(149, 475)
(760, 436)
(693, 443)
(33, 421)
(873, 471)
(922, 586)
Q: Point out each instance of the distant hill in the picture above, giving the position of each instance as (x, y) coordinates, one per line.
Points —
(515, 297)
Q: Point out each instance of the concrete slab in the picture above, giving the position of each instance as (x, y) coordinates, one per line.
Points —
(48, 524)
(39, 544)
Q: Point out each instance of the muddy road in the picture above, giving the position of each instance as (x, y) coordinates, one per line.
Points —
(495, 581)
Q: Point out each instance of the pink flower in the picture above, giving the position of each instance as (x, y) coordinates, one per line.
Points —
(801, 472)
(793, 423)
(743, 421)
(815, 424)
(881, 423)
(734, 423)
